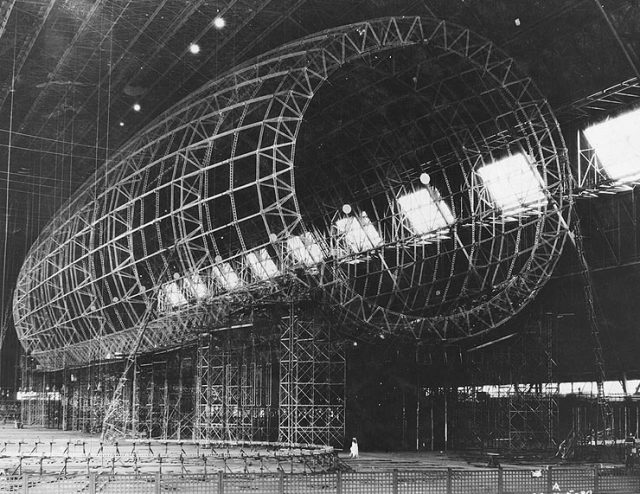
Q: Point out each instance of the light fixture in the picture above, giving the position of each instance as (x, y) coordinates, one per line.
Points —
(305, 249)
(616, 144)
(196, 286)
(194, 48)
(514, 183)
(359, 233)
(224, 275)
(172, 295)
(219, 22)
(262, 265)
(137, 107)
(425, 211)
(121, 124)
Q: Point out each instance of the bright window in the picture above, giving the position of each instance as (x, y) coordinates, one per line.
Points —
(261, 264)
(514, 184)
(173, 296)
(616, 142)
(359, 233)
(225, 276)
(305, 249)
(196, 286)
(425, 213)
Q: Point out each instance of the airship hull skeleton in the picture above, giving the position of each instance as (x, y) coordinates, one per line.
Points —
(237, 193)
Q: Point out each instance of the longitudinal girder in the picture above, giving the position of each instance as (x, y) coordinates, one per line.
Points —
(196, 213)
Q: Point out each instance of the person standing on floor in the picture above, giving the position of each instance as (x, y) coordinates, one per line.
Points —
(354, 448)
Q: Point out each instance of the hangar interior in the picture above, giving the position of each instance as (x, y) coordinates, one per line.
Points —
(302, 221)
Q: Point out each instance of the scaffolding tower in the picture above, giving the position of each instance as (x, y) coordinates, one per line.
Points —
(312, 381)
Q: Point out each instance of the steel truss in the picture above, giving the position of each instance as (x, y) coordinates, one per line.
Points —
(233, 391)
(163, 406)
(214, 178)
(533, 408)
(312, 381)
(522, 413)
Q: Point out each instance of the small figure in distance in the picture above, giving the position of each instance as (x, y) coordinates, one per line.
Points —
(354, 448)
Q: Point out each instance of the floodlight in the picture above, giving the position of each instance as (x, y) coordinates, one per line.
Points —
(359, 233)
(261, 264)
(305, 249)
(425, 213)
(514, 184)
(219, 22)
(173, 295)
(196, 286)
(616, 142)
(225, 276)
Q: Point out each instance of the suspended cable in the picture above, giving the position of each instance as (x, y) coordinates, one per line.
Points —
(7, 189)
(55, 141)
(614, 31)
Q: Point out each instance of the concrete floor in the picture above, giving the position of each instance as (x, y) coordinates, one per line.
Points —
(35, 449)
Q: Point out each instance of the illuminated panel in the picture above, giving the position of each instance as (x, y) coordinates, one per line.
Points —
(425, 213)
(173, 295)
(514, 184)
(305, 249)
(359, 233)
(262, 266)
(196, 287)
(225, 276)
(616, 142)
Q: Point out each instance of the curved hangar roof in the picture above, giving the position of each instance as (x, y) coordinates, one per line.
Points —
(402, 167)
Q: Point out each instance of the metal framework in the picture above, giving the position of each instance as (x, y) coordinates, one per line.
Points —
(216, 178)
(235, 396)
(312, 381)
(533, 412)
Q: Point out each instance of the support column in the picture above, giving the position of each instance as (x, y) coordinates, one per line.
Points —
(312, 381)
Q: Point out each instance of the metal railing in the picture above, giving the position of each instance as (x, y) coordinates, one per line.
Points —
(593, 480)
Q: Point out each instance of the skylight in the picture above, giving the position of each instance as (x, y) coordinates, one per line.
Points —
(225, 276)
(173, 296)
(616, 142)
(514, 184)
(426, 214)
(359, 233)
(196, 286)
(305, 249)
(261, 264)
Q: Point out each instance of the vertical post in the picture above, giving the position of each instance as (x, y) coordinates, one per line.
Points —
(281, 482)
(446, 420)
(626, 418)
(449, 480)
(549, 480)
(135, 404)
(394, 481)
(433, 437)
(25, 483)
(158, 487)
(92, 482)
(418, 393)
(500, 480)
(596, 480)
(220, 482)
(338, 482)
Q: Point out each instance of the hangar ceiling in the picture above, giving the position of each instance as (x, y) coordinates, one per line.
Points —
(72, 71)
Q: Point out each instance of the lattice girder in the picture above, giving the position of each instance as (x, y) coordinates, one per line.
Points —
(225, 173)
